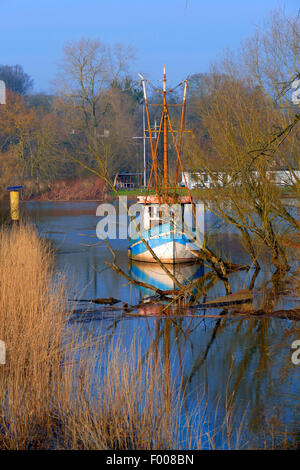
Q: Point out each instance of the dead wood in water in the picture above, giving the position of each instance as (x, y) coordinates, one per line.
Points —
(140, 283)
(291, 314)
(242, 296)
(108, 301)
(101, 301)
(235, 306)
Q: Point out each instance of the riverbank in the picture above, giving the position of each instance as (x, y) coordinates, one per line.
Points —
(90, 188)
(93, 188)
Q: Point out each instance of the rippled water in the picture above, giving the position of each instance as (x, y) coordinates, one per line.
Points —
(213, 357)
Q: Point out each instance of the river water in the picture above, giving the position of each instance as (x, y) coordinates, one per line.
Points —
(249, 357)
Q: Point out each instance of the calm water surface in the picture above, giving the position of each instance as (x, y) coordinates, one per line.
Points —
(250, 357)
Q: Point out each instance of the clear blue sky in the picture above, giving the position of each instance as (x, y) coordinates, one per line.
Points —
(186, 35)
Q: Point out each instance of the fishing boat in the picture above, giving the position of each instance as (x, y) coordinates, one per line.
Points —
(172, 226)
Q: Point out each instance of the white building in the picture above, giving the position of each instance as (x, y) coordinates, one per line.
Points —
(202, 179)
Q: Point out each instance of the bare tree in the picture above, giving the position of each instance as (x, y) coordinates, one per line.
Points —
(250, 128)
(88, 74)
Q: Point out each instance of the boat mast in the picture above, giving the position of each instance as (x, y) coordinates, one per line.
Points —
(165, 117)
(165, 126)
(153, 153)
(181, 130)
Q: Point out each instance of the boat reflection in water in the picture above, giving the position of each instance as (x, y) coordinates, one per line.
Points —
(153, 274)
(164, 329)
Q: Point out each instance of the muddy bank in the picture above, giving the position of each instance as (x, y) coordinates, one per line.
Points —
(75, 189)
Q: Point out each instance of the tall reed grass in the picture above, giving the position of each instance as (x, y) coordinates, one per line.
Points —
(54, 390)
(32, 320)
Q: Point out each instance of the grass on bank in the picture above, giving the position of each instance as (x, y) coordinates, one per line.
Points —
(197, 193)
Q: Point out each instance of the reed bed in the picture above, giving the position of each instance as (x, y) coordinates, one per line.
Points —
(75, 189)
(55, 392)
(32, 322)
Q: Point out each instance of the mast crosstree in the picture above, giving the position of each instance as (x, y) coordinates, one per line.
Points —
(165, 127)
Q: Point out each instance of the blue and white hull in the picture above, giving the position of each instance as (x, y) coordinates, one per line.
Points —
(170, 246)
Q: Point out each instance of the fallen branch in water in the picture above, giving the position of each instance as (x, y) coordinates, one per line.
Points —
(291, 314)
(221, 267)
(240, 297)
(231, 267)
(102, 301)
(140, 283)
(193, 283)
(154, 308)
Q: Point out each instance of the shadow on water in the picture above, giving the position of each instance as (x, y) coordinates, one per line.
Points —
(235, 362)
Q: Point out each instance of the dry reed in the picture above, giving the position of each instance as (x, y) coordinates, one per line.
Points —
(54, 391)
